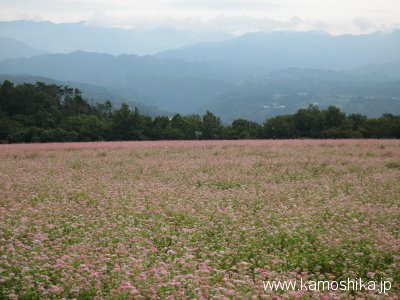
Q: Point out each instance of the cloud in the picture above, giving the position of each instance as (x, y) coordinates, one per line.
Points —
(242, 24)
(232, 24)
(225, 4)
(364, 24)
(335, 16)
(100, 19)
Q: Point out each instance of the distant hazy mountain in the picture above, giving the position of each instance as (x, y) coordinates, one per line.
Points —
(262, 52)
(69, 37)
(384, 71)
(186, 87)
(92, 93)
(12, 48)
(285, 91)
(172, 85)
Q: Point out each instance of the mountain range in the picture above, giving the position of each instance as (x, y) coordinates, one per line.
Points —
(12, 48)
(260, 51)
(70, 37)
(173, 85)
(255, 76)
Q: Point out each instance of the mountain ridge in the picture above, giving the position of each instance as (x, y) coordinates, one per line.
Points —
(69, 37)
(175, 85)
(12, 48)
(278, 50)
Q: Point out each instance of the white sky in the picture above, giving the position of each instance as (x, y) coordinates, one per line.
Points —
(335, 16)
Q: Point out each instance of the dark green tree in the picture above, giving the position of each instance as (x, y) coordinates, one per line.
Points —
(309, 122)
(334, 117)
(193, 127)
(280, 127)
(244, 129)
(211, 128)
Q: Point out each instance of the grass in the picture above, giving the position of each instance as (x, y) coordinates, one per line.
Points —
(392, 165)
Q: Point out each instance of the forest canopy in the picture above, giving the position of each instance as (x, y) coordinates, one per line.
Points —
(51, 113)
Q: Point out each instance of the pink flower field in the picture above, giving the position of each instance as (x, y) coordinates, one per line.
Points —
(198, 220)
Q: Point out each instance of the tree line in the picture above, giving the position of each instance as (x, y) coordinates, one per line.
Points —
(52, 113)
